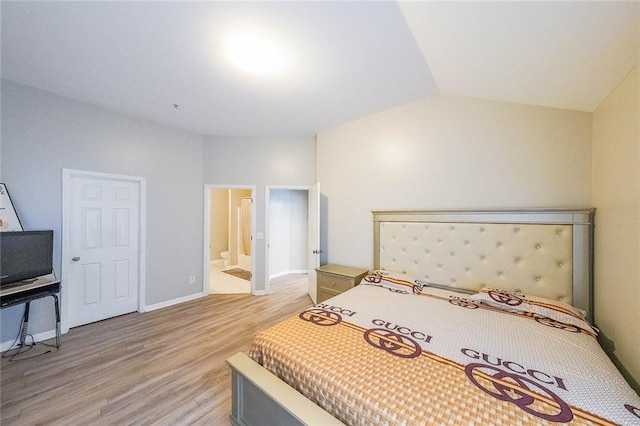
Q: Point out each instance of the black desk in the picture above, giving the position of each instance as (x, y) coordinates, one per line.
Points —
(25, 293)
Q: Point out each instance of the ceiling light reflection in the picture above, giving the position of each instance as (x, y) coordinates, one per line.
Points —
(256, 55)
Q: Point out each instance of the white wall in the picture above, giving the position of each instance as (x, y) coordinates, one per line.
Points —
(449, 152)
(616, 195)
(288, 231)
(259, 162)
(43, 133)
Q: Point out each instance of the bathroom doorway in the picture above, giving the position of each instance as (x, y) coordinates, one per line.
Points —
(229, 239)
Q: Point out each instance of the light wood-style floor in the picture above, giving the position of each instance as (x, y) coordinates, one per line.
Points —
(161, 367)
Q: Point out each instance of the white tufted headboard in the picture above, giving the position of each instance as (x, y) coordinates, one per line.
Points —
(545, 253)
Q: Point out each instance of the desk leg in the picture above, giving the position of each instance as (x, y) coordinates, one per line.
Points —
(57, 306)
(25, 325)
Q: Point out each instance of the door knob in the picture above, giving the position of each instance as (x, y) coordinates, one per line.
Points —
(75, 259)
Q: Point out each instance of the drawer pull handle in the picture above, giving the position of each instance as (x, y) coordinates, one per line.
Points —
(333, 284)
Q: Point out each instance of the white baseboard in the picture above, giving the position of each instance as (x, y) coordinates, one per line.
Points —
(292, 271)
(168, 303)
(45, 335)
(259, 293)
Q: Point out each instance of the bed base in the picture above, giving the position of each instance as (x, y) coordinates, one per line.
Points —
(260, 398)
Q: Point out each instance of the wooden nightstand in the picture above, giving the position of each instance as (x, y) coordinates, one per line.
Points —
(335, 279)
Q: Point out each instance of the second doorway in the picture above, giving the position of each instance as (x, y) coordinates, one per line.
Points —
(230, 240)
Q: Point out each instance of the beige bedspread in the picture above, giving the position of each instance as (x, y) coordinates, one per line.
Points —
(373, 356)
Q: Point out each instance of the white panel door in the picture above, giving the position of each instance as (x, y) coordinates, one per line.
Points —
(103, 248)
(314, 240)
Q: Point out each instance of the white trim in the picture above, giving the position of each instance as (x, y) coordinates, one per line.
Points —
(45, 335)
(168, 303)
(267, 237)
(206, 241)
(259, 293)
(142, 261)
(67, 175)
(206, 249)
(292, 271)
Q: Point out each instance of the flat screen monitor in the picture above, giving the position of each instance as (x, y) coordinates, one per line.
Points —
(25, 255)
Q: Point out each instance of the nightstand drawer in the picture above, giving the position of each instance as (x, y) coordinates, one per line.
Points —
(325, 293)
(335, 279)
(335, 282)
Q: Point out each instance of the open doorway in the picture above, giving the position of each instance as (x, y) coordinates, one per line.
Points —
(292, 223)
(288, 224)
(228, 239)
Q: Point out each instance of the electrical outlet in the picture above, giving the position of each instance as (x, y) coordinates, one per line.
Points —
(192, 280)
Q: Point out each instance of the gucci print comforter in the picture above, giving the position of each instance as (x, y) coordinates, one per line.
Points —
(373, 355)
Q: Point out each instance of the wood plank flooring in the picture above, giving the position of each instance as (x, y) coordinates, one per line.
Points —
(161, 367)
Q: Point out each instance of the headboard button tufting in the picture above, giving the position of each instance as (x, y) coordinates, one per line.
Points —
(499, 255)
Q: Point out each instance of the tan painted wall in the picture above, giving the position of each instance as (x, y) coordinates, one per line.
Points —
(219, 237)
(616, 195)
(449, 152)
(234, 203)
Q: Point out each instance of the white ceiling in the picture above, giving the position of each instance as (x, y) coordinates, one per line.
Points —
(344, 60)
(568, 54)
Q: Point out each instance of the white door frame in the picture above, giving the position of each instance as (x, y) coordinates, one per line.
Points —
(267, 206)
(67, 175)
(206, 249)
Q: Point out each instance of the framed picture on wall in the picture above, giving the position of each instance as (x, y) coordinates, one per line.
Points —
(8, 218)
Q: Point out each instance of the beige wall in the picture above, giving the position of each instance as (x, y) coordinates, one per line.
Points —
(224, 222)
(219, 229)
(234, 203)
(449, 152)
(616, 195)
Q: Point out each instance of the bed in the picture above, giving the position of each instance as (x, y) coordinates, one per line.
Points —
(467, 317)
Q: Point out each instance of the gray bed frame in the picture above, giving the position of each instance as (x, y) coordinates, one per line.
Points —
(548, 252)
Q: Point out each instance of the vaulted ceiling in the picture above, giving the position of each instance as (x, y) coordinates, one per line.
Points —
(172, 62)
